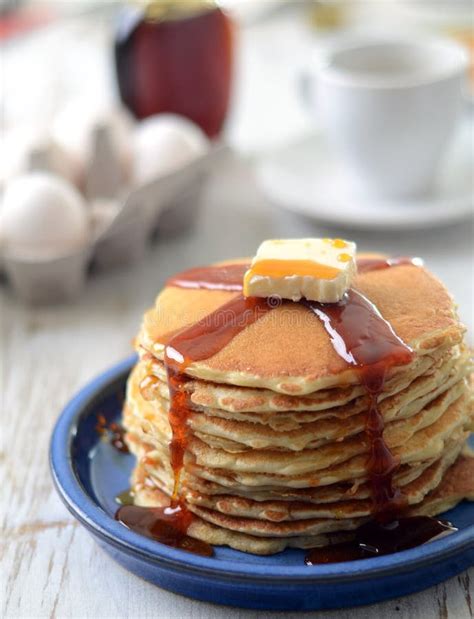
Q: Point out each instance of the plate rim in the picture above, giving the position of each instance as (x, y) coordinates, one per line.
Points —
(101, 524)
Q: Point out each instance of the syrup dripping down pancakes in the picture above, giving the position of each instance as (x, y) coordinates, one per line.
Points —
(263, 434)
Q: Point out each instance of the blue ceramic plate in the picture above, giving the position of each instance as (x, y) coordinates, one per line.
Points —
(89, 473)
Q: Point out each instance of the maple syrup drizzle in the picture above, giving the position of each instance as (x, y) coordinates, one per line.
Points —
(202, 340)
(169, 525)
(362, 338)
(224, 277)
(230, 276)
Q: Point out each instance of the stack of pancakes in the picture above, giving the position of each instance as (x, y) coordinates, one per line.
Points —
(276, 454)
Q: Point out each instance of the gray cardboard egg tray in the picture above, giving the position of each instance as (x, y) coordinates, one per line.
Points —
(119, 236)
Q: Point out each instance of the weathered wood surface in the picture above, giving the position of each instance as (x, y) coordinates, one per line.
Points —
(50, 565)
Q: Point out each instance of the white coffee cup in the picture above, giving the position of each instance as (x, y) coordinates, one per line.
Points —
(389, 108)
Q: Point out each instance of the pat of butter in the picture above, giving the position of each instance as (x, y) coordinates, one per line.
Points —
(315, 269)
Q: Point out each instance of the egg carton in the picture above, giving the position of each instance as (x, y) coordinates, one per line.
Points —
(120, 230)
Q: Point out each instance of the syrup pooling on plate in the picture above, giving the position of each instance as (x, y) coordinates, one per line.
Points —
(167, 525)
(374, 540)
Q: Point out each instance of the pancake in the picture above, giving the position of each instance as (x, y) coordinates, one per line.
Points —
(238, 435)
(405, 296)
(457, 484)
(399, 398)
(281, 510)
(444, 431)
(425, 443)
(274, 438)
(343, 491)
(208, 396)
(244, 399)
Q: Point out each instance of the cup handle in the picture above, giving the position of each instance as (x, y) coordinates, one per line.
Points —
(308, 75)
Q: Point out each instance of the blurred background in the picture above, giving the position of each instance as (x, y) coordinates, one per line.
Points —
(140, 138)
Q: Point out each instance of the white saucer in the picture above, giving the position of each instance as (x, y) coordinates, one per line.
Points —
(305, 178)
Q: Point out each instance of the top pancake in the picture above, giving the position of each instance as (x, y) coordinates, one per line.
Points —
(288, 350)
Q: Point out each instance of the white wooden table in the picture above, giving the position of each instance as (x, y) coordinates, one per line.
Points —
(50, 565)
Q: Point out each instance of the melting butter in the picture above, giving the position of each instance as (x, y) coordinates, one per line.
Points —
(315, 269)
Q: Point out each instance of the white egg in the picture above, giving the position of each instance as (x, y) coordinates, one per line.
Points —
(73, 129)
(165, 143)
(30, 148)
(52, 158)
(42, 215)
